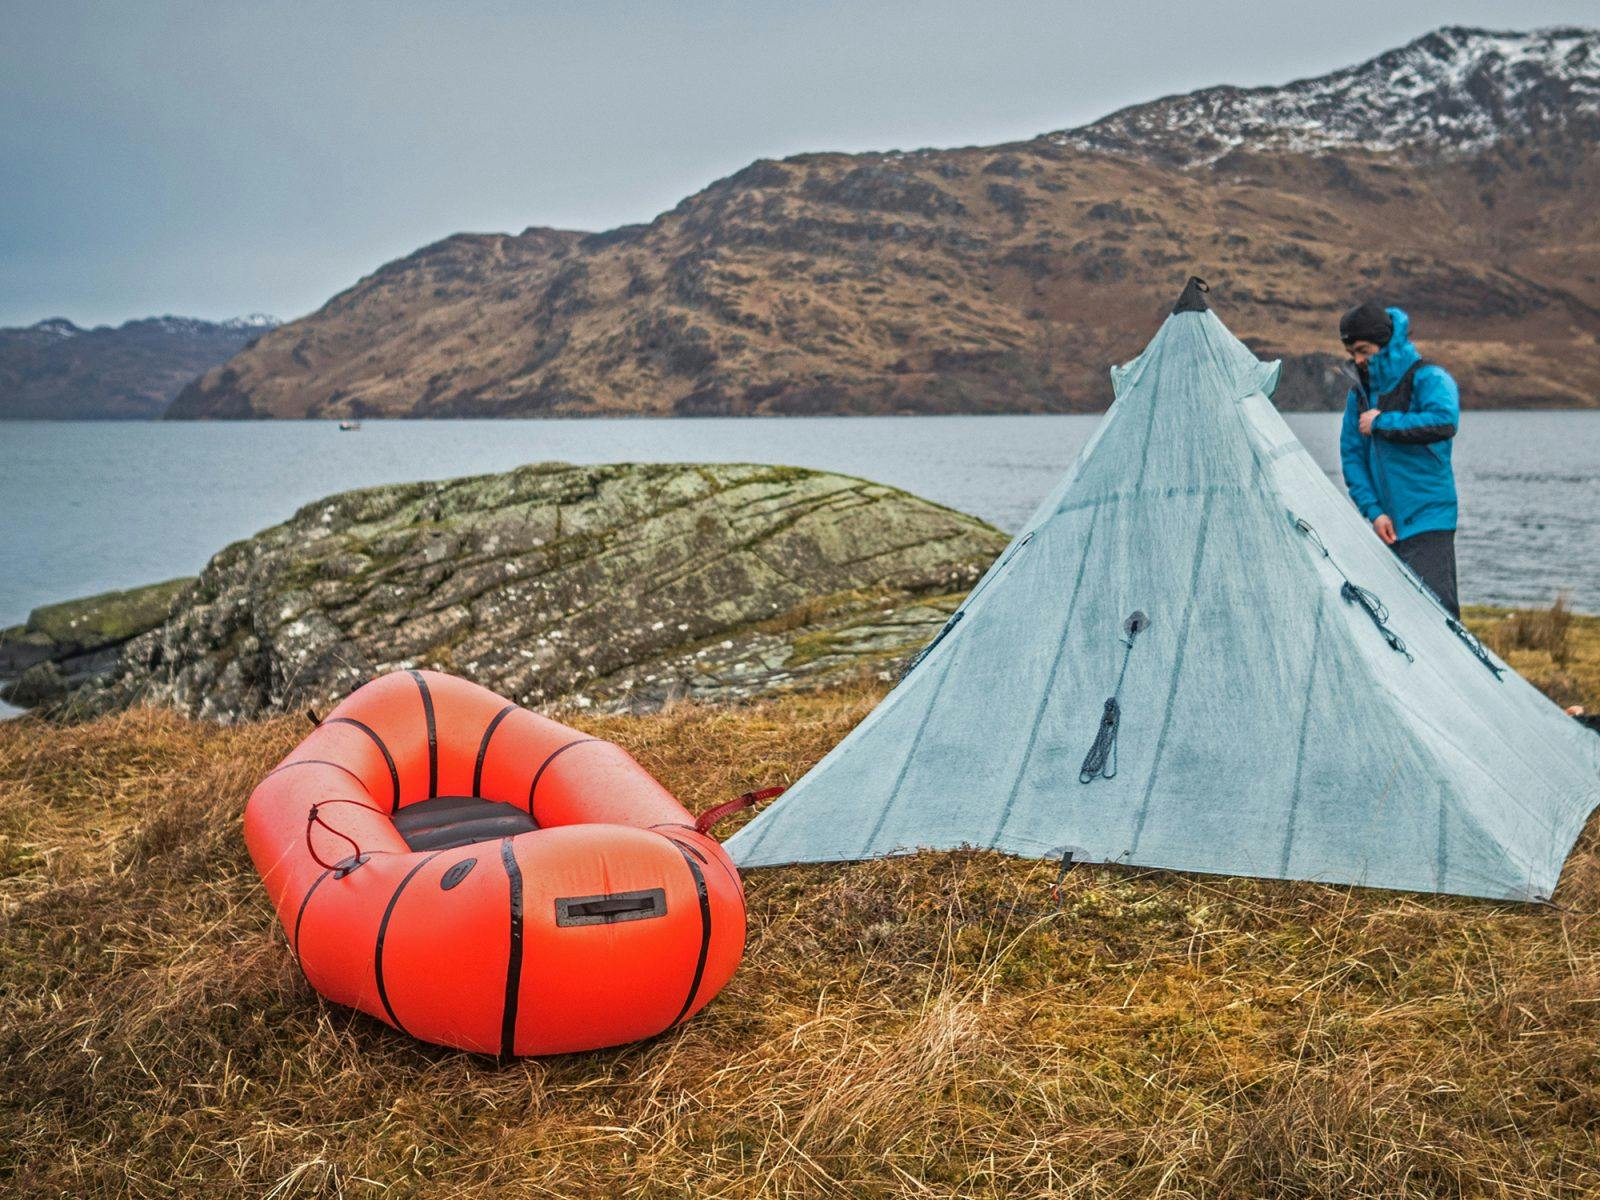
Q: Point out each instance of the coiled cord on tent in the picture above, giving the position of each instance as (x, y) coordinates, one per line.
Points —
(1101, 761)
(955, 617)
(1353, 593)
(1378, 611)
(1473, 644)
(1102, 757)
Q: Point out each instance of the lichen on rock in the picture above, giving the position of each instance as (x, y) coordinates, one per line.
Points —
(65, 645)
(621, 586)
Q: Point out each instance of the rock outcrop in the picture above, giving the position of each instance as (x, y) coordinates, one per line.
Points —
(615, 587)
(63, 646)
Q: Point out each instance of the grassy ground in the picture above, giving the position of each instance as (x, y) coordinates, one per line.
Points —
(932, 1026)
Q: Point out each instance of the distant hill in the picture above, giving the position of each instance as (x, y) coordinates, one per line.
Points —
(56, 370)
(1455, 176)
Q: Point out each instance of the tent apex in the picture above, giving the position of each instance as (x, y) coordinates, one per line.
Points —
(1193, 298)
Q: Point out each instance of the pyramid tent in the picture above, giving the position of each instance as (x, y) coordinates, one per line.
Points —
(1290, 701)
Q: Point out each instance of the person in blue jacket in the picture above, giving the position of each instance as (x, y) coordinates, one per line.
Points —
(1399, 420)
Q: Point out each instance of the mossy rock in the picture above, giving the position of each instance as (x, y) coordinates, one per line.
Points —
(78, 626)
(42, 683)
(620, 586)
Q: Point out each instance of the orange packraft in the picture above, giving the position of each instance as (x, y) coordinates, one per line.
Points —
(482, 877)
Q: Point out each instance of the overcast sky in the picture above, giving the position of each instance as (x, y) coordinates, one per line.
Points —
(217, 158)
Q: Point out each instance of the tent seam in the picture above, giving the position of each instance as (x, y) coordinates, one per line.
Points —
(1305, 726)
(905, 765)
(1177, 679)
(1055, 666)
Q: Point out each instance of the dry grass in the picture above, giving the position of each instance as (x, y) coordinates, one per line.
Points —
(1546, 631)
(1556, 648)
(928, 1027)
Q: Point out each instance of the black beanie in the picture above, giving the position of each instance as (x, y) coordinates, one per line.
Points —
(1366, 323)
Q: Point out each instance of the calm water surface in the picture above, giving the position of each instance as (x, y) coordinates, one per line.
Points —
(90, 506)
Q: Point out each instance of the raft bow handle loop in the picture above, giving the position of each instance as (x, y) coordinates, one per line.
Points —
(344, 866)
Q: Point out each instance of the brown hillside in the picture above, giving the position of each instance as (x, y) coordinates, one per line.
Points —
(1007, 278)
(981, 279)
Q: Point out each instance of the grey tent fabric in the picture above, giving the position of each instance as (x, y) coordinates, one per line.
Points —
(1273, 721)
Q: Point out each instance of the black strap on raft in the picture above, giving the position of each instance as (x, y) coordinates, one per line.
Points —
(712, 816)
(1473, 644)
(1101, 761)
(311, 715)
(344, 866)
(1353, 593)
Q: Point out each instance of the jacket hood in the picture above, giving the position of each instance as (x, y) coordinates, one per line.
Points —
(1386, 367)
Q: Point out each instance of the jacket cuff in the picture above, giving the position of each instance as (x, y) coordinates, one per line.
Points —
(1416, 435)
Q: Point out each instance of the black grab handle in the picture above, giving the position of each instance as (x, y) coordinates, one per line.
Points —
(611, 908)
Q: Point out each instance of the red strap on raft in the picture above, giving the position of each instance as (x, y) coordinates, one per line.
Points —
(749, 800)
(314, 818)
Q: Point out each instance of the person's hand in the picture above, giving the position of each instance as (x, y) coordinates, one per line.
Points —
(1384, 528)
(1367, 418)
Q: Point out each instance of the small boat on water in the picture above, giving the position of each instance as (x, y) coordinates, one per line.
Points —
(349, 426)
(481, 877)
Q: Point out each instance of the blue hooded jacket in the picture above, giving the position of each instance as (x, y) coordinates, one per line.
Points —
(1403, 468)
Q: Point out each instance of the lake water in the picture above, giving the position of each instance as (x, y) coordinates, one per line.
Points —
(90, 506)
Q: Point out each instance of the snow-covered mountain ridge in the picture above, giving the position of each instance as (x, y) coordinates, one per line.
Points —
(1449, 92)
(58, 327)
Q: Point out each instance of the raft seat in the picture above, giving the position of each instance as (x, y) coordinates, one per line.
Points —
(446, 822)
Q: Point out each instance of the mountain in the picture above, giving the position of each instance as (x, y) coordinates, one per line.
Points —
(56, 370)
(1454, 91)
(1453, 176)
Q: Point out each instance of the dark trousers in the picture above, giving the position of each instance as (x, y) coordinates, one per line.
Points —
(1432, 556)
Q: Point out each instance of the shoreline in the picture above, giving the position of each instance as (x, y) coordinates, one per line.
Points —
(691, 418)
(1525, 534)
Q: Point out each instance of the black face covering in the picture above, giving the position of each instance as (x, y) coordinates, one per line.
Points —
(1367, 322)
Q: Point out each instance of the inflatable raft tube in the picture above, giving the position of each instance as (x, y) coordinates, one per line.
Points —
(481, 877)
